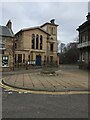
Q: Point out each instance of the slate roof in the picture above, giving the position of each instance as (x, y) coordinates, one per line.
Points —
(85, 24)
(6, 32)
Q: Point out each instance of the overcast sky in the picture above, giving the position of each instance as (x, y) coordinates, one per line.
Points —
(68, 15)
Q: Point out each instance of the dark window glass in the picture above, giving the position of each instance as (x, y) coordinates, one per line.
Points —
(41, 40)
(51, 47)
(15, 58)
(80, 39)
(23, 58)
(28, 57)
(33, 41)
(51, 59)
(44, 59)
(37, 40)
(20, 58)
(52, 30)
(15, 45)
(2, 52)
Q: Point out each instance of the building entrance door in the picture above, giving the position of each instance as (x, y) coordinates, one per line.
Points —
(38, 60)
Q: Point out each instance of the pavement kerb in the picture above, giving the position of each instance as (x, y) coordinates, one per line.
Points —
(28, 89)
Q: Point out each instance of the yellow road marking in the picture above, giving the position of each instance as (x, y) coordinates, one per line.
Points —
(42, 92)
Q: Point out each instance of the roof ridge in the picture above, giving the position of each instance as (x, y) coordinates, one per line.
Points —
(36, 27)
(30, 28)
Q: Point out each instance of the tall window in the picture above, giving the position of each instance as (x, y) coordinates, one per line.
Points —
(41, 40)
(54, 31)
(23, 58)
(2, 48)
(51, 30)
(86, 37)
(33, 41)
(80, 39)
(51, 47)
(19, 58)
(28, 57)
(83, 56)
(83, 38)
(37, 40)
(45, 58)
(51, 59)
(15, 58)
(2, 52)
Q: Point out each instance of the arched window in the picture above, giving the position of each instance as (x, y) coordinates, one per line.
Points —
(41, 41)
(37, 41)
(33, 41)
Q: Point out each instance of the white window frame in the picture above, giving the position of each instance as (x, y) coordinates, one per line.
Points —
(7, 58)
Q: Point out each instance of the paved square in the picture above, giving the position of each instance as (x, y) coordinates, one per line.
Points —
(64, 80)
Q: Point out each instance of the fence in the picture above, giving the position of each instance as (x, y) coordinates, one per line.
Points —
(32, 64)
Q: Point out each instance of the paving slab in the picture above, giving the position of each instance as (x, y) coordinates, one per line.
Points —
(27, 81)
(64, 80)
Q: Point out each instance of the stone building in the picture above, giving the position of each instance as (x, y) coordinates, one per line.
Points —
(52, 43)
(84, 43)
(6, 47)
(37, 45)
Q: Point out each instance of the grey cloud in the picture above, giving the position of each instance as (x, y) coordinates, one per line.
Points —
(26, 14)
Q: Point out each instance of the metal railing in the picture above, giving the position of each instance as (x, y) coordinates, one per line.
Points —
(33, 64)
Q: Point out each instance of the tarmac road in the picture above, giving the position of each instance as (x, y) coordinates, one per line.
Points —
(27, 105)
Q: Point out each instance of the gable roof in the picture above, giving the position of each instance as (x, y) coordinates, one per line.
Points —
(32, 28)
(6, 32)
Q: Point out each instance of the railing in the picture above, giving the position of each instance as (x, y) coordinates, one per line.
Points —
(84, 44)
(33, 64)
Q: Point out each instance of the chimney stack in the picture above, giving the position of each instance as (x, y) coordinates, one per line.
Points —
(9, 24)
(52, 21)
